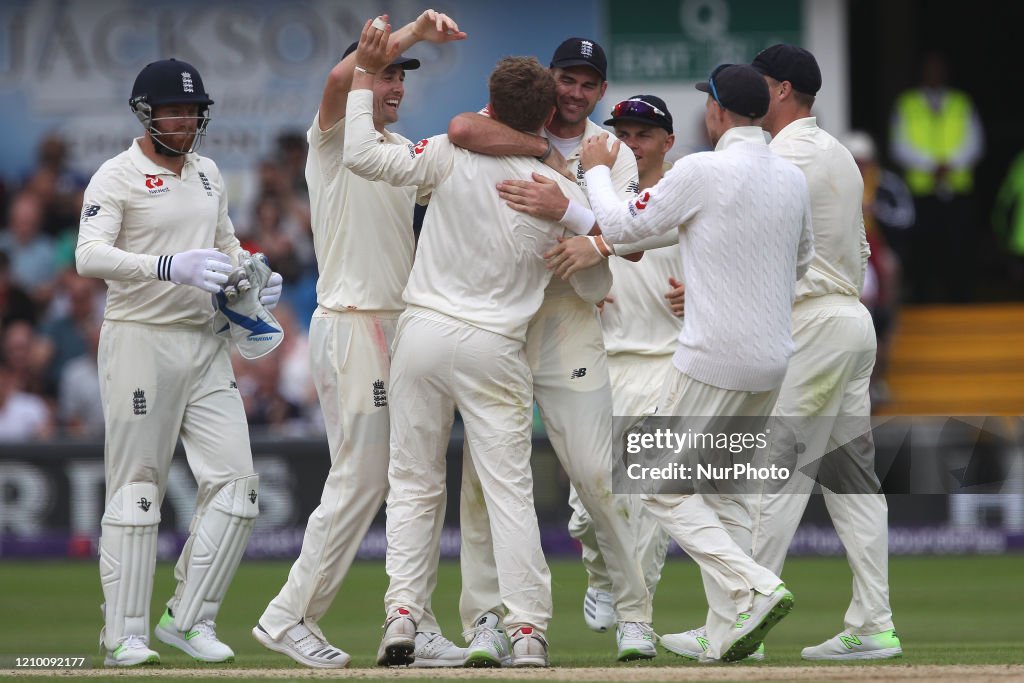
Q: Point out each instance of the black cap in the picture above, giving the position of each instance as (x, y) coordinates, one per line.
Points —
(649, 109)
(790, 63)
(169, 81)
(581, 52)
(407, 63)
(738, 88)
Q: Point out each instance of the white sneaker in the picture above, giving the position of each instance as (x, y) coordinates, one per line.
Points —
(635, 641)
(488, 644)
(130, 651)
(305, 647)
(694, 643)
(845, 646)
(598, 610)
(434, 650)
(529, 648)
(199, 642)
(754, 624)
(398, 645)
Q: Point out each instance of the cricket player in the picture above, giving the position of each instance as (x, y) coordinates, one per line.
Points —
(478, 279)
(742, 219)
(155, 226)
(567, 358)
(364, 242)
(640, 332)
(824, 402)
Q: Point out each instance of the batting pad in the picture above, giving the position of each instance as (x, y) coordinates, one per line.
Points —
(220, 539)
(128, 559)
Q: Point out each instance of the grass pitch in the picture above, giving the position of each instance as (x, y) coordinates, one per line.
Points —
(948, 611)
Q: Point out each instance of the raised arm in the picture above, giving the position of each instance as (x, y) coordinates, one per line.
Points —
(424, 164)
(431, 26)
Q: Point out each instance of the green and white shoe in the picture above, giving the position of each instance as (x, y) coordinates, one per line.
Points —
(131, 651)
(754, 624)
(694, 643)
(199, 642)
(635, 640)
(846, 646)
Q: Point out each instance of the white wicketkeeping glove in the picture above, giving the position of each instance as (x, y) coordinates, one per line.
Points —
(206, 269)
(252, 327)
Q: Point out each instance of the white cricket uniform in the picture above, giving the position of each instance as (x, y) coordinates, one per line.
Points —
(364, 243)
(565, 350)
(743, 221)
(640, 333)
(478, 279)
(163, 372)
(824, 401)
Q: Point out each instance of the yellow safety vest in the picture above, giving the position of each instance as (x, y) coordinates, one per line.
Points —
(938, 135)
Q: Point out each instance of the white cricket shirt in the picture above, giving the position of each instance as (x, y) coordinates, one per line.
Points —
(478, 260)
(744, 223)
(640, 320)
(837, 192)
(625, 181)
(362, 230)
(133, 214)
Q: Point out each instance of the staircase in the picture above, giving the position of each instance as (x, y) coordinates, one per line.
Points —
(957, 360)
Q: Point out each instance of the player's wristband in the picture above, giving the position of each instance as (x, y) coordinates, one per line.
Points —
(593, 242)
(544, 157)
(608, 246)
(578, 218)
(362, 70)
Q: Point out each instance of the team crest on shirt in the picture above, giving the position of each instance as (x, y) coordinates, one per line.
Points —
(155, 184)
(206, 184)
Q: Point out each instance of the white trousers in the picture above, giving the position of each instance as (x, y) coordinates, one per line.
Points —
(636, 382)
(350, 360)
(565, 351)
(730, 575)
(442, 364)
(824, 405)
(159, 382)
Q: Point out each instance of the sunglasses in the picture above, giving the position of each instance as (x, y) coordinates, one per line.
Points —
(711, 83)
(638, 108)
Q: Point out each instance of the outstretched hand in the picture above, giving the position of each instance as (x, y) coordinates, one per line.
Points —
(373, 52)
(572, 255)
(436, 27)
(595, 152)
(541, 197)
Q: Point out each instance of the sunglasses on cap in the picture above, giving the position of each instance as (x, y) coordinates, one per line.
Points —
(711, 82)
(637, 108)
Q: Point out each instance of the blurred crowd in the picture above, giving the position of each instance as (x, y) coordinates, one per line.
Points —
(50, 317)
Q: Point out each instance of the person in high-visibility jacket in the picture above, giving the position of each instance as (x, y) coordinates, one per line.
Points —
(1008, 218)
(937, 137)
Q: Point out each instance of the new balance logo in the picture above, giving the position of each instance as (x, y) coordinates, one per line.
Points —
(577, 373)
(90, 210)
(252, 496)
(232, 384)
(849, 641)
(145, 504)
(139, 402)
(380, 394)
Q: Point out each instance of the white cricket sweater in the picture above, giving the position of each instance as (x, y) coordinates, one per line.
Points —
(744, 221)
